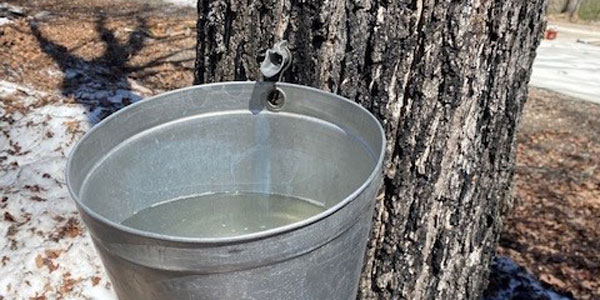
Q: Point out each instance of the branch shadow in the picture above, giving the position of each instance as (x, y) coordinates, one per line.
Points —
(101, 83)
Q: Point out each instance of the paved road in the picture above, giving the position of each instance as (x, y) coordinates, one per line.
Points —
(567, 66)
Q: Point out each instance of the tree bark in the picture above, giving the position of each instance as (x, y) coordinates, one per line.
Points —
(447, 79)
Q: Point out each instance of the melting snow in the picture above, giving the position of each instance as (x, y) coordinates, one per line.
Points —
(44, 248)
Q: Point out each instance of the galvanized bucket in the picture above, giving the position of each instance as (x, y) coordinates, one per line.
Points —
(251, 137)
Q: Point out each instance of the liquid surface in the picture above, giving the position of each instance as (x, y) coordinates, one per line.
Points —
(222, 215)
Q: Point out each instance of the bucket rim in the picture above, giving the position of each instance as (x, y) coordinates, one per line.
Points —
(377, 170)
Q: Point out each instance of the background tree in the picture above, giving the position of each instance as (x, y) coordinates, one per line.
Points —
(447, 79)
(572, 7)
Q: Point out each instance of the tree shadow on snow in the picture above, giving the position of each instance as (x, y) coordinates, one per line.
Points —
(100, 83)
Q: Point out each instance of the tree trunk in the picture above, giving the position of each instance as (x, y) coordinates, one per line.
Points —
(447, 79)
(556, 6)
(571, 9)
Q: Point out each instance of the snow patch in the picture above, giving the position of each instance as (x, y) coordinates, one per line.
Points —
(4, 21)
(44, 247)
(191, 3)
(510, 281)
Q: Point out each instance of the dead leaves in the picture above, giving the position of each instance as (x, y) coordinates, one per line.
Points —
(11, 218)
(15, 149)
(555, 220)
(41, 261)
(47, 259)
(13, 104)
(8, 217)
(34, 188)
(73, 127)
(52, 254)
(66, 286)
(71, 229)
(12, 230)
(95, 280)
(37, 198)
(552, 280)
(68, 283)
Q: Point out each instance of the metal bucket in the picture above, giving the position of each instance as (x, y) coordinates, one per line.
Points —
(255, 137)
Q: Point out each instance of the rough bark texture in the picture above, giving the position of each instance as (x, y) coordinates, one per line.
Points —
(447, 79)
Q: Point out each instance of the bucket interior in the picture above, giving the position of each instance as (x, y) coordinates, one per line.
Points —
(224, 172)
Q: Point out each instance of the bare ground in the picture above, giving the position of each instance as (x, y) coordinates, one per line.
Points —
(151, 43)
(553, 229)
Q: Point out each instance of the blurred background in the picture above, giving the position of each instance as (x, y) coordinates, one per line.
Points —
(553, 230)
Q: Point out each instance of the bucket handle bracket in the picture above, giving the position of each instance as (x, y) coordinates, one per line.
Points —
(277, 60)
